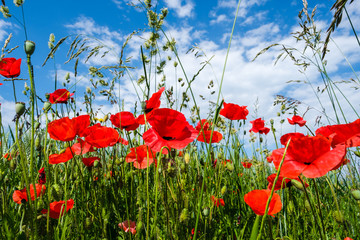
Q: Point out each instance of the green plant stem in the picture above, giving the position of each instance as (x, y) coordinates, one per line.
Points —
(255, 228)
(272, 190)
(13, 83)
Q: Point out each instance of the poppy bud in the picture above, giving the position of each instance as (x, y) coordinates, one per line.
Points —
(184, 215)
(37, 142)
(187, 158)
(223, 190)
(13, 164)
(356, 194)
(338, 216)
(206, 212)
(19, 108)
(29, 47)
(47, 106)
(291, 207)
(297, 184)
(230, 166)
(96, 163)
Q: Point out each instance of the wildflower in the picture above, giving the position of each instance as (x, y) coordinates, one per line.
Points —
(81, 147)
(141, 156)
(57, 209)
(348, 134)
(62, 157)
(20, 196)
(101, 137)
(89, 162)
(170, 129)
(246, 164)
(124, 120)
(62, 129)
(150, 105)
(42, 176)
(258, 125)
(10, 67)
(234, 112)
(257, 200)
(297, 120)
(310, 156)
(206, 131)
(217, 201)
(128, 225)
(60, 96)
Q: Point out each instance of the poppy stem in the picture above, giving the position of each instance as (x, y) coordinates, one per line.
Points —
(272, 190)
(255, 228)
(13, 83)
(312, 210)
(319, 206)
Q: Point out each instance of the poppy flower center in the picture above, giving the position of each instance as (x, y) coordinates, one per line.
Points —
(168, 138)
(147, 110)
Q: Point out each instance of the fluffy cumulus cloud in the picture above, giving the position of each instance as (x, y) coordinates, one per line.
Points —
(181, 8)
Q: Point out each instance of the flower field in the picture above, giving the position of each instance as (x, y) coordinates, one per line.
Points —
(166, 169)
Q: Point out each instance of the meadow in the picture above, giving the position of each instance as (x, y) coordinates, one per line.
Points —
(167, 169)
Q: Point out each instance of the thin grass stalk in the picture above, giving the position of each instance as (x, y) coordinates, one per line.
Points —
(319, 205)
(272, 192)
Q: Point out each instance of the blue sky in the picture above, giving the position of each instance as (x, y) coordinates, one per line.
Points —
(204, 23)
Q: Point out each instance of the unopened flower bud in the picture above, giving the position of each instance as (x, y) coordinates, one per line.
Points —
(307, 205)
(223, 190)
(356, 194)
(96, 163)
(297, 184)
(13, 164)
(19, 108)
(47, 106)
(29, 47)
(184, 215)
(206, 212)
(187, 158)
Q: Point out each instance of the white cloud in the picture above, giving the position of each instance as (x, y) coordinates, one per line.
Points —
(181, 9)
(3, 32)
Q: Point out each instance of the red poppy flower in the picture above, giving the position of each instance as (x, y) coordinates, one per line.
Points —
(10, 67)
(128, 226)
(216, 136)
(60, 96)
(258, 125)
(20, 196)
(257, 200)
(169, 128)
(246, 164)
(141, 156)
(89, 162)
(80, 124)
(62, 157)
(347, 238)
(42, 176)
(124, 120)
(1, 84)
(217, 201)
(57, 209)
(151, 104)
(348, 134)
(285, 138)
(297, 120)
(81, 147)
(102, 137)
(310, 156)
(62, 129)
(234, 112)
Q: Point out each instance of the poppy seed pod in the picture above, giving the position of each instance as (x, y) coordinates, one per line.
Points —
(47, 106)
(19, 108)
(356, 194)
(187, 158)
(206, 212)
(223, 190)
(29, 47)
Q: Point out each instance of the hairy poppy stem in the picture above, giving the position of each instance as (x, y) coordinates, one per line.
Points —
(255, 228)
(272, 190)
